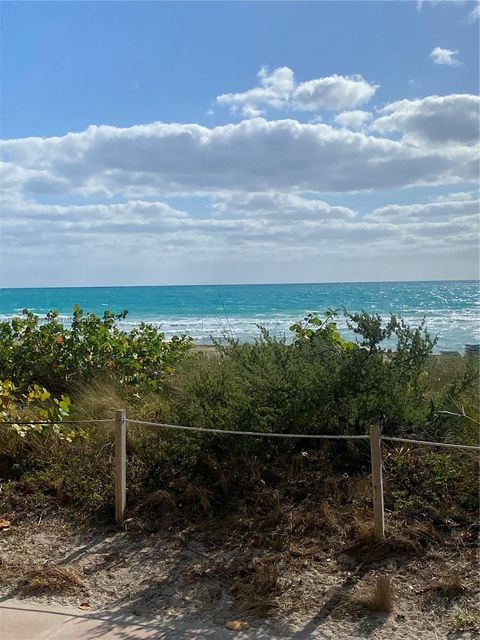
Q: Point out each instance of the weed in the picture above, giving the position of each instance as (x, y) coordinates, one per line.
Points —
(381, 599)
(447, 587)
(50, 579)
(466, 620)
(256, 585)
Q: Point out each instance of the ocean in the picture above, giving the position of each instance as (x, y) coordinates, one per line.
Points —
(451, 308)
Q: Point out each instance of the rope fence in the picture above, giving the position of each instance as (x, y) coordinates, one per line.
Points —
(375, 436)
(261, 434)
(45, 423)
(446, 445)
(313, 436)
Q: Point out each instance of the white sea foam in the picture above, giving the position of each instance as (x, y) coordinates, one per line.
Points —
(454, 328)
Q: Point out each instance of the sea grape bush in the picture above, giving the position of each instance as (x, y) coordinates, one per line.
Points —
(33, 429)
(45, 352)
(325, 328)
(22, 412)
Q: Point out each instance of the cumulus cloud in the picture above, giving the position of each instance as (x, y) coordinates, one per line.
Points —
(279, 90)
(254, 155)
(465, 205)
(156, 238)
(275, 90)
(435, 120)
(444, 56)
(333, 93)
(252, 218)
(277, 204)
(353, 119)
(264, 187)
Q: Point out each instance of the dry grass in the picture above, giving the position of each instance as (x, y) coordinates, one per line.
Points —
(10, 570)
(237, 580)
(403, 539)
(160, 498)
(367, 550)
(450, 587)
(305, 522)
(381, 599)
(99, 399)
(257, 585)
(50, 579)
(199, 496)
(329, 515)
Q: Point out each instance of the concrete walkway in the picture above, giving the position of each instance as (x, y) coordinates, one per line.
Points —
(23, 620)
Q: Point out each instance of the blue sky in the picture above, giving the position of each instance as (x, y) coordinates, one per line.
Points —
(299, 141)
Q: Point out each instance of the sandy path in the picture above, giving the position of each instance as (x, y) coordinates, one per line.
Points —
(165, 586)
(20, 620)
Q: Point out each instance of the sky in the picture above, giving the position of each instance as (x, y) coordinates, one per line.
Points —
(148, 143)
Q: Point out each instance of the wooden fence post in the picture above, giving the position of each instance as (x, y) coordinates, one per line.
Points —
(120, 464)
(377, 482)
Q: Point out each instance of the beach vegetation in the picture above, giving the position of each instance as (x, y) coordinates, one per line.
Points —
(47, 352)
(467, 619)
(317, 383)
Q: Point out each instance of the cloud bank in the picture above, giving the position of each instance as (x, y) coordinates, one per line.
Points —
(253, 155)
(174, 202)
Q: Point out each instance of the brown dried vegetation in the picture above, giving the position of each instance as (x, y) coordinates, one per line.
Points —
(50, 579)
(381, 598)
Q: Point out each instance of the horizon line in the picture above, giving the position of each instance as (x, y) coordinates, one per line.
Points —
(238, 284)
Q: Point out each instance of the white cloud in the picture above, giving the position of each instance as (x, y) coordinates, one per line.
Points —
(452, 207)
(437, 3)
(282, 219)
(353, 119)
(279, 90)
(274, 90)
(278, 205)
(153, 241)
(259, 182)
(458, 196)
(444, 56)
(280, 82)
(452, 119)
(474, 13)
(333, 93)
(249, 111)
(253, 155)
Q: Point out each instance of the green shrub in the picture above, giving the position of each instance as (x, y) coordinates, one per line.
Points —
(421, 480)
(45, 352)
(453, 391)
(318, 384)
(35, 404)
(22, 439)
(79, 473)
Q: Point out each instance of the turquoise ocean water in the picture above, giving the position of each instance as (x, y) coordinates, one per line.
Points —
(451, 308)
